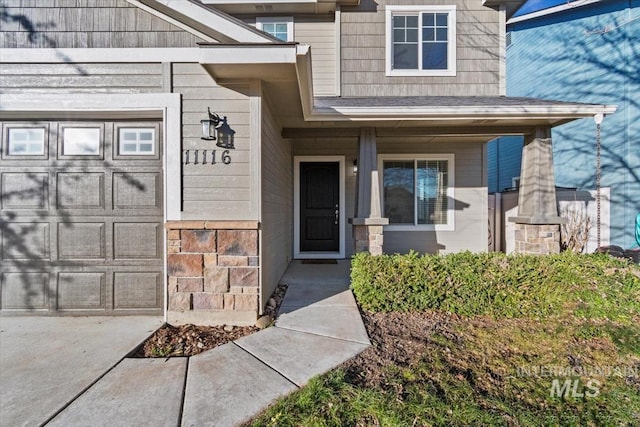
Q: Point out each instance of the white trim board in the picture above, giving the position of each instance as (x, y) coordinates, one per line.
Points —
(297, 254)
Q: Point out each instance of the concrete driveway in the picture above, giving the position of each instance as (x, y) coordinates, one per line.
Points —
(46, 362)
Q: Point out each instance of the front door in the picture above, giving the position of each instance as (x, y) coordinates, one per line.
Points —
(319, 207)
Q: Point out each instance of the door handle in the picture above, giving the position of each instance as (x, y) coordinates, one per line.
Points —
(337, 214)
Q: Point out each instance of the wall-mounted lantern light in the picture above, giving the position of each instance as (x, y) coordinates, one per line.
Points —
(355, 166)
(209, 126)
(225, 135)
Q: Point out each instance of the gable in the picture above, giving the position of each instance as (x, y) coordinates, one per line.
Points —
(93, 24)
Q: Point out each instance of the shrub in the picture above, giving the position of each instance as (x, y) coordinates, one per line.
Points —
(498, 285)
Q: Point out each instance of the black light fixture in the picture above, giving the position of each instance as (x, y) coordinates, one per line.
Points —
(225, 134)
(209, 126)
(355, 166)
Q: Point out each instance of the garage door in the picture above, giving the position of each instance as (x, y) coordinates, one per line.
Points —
(81, 217)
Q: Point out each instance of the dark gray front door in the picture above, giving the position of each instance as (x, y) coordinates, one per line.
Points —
(319, 206)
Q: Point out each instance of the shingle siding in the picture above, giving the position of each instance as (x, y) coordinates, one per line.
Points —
(363, 53)
(86, 24)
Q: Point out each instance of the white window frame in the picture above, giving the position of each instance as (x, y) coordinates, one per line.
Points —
(418, 10)
(261, 20)
(66, 138)
(450, 158)
(137, 130)
(27, 153)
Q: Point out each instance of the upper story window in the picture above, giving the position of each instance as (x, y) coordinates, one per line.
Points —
(281, 28)
(421, 40)
(418, 191)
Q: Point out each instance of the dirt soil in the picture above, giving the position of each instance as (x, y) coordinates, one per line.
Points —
(396, 339)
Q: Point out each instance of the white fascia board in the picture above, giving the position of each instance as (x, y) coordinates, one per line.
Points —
(305, 80)
(457, 113)
(98, 55)
(219, 22)
(243, 54)
(552, 10)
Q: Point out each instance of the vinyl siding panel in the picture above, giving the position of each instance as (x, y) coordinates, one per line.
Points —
(588, 54)
(214, 191)
(65, 78)
(321, 36)
(86, 24)
(470, 195)
(277, 203)
(363, 53)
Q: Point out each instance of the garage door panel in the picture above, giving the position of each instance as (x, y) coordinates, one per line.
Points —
(81, 240)
(81, 291)
(80, 190)
(132, 190)
(137, 290)
(25, 190)
(25, 241)
(134, 240)
(82, 233)
(24, 291)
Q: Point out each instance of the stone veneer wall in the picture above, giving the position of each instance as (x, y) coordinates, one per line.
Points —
(213, 270)
(537, 239)
(369, 238)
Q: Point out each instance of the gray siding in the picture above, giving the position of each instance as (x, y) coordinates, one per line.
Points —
(214, 191)
(277, 203)
(363, 53)
(470, 194)
(64, 78)
(321, 36)
(347, 147)
(86, 24)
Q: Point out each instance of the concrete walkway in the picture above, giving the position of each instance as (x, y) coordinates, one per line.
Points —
(319, 328)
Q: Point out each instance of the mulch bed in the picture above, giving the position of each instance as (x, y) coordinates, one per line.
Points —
(189, 340)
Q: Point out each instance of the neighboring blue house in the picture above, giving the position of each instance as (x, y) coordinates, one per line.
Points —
(587, 51)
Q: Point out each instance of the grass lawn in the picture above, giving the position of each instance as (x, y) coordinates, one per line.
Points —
(484, 339)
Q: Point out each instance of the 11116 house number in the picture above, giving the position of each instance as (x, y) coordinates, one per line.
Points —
(206, 157)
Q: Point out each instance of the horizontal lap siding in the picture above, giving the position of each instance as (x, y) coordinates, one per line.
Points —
(321, 36)
(277, 202)
(86, 24)
(363, 54)
(94, 78)
(470, 195)
(213, 191)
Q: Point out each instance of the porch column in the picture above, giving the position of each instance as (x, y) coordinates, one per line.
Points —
(537, 228)
(368, 222)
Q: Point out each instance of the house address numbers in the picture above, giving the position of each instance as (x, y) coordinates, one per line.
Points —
(206, 157)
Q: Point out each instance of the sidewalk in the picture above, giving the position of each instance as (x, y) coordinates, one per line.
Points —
(319, 327)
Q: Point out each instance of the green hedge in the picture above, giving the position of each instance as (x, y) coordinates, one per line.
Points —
(498, 285)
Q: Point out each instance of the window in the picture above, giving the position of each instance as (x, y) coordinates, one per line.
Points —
(26, 141)
(280, 28)
(77, 141)
(421, 40)
(418, 191)
(136, 141)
